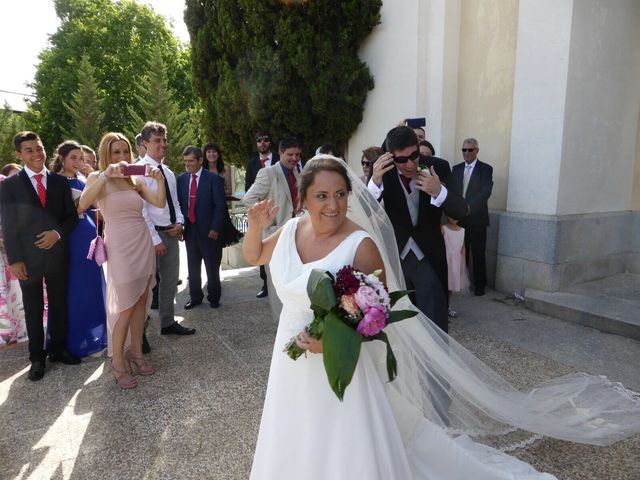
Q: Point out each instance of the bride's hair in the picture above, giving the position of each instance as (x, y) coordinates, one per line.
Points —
(320, 163)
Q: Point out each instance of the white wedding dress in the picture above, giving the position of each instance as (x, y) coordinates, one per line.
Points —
(306, 432)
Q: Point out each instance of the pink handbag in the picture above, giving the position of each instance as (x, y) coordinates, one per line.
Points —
(97, 249)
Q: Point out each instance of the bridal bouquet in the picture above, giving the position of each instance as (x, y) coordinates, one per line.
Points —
(348, 310)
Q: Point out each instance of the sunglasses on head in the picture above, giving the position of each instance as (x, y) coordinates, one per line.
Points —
(465, 150)
(365, 163)
(412, 156)
(263, 140)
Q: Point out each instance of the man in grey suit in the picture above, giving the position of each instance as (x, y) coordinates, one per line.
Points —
(279, 183)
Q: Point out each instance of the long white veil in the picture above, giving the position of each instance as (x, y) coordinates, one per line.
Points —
(440, 380)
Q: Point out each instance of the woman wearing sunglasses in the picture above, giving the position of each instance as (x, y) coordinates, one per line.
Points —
(369, 156)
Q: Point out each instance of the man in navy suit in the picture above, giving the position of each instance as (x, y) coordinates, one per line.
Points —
(203, 204)
(474, 180)
(265, 158)
(38, 214)
(414, 201)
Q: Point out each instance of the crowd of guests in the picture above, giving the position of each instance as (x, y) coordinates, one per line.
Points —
(70, 306)
(50, 217)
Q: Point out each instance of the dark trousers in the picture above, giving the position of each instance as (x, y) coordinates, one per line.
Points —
(32, 298)
(199, 249)
(475, 242)
(429, 295)
(263, 274)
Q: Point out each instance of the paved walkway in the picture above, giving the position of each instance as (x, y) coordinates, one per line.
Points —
(198, 416)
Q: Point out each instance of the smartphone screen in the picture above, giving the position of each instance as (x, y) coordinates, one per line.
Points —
(416, 122)
(131, 170)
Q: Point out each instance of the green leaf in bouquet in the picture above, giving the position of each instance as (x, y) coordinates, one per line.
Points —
(341, 349)
(392, 364)
(320, 289)
(397, 315)
(397, 295)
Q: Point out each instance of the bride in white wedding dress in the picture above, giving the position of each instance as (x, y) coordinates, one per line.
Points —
(418, 426)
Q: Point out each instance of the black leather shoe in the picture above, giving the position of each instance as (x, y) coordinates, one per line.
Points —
(176, 329)
(36, 372)
(479, 291)
(146, 348)
(263, 293)
(190, 304)
(179, 282)
(214, 304)
(64, 357)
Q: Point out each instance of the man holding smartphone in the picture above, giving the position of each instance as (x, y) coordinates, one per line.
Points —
(166, 226)
(415, 194)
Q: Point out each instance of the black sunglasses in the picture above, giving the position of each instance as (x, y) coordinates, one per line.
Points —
(412, 156)
(365, 163)
(465, 150)
(263, 139)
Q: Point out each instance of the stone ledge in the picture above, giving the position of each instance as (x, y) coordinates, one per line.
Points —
(606, 313)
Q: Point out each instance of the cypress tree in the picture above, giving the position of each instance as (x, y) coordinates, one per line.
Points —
(85, 108)
(157, 103)
(286, 67)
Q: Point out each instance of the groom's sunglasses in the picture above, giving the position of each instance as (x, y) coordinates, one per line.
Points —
(412, 156)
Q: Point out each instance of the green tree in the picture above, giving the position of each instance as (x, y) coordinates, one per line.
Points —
(118, 38)
(10, 124)
(157, 103)
(85, 108)
(291, 70)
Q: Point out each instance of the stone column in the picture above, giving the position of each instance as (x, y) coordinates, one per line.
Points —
(573, 144)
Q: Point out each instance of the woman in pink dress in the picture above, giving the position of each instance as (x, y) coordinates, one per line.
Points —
(454, 244)
(130, 252)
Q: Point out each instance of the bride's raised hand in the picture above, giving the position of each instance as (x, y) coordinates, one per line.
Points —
(262, 214)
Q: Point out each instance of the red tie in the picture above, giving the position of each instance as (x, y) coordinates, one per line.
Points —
(406, 181)
(192, 198)
(42, 192)
(293, 189)
(264, 161)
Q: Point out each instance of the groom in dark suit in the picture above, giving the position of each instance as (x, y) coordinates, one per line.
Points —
(474, 179)
(414, 201)
(203, 204)
(38, 214)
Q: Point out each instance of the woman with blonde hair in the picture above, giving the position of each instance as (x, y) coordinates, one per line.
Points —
(130, 252)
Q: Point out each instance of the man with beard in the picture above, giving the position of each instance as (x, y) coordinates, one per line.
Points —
(264, 158)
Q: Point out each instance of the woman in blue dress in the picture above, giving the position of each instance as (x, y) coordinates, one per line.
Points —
(86, 317)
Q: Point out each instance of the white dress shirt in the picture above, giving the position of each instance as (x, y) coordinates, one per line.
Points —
(413, 205)
(153, 215)
(269, 159)
(32, 175)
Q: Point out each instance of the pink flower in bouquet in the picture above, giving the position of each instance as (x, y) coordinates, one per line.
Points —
(374, 320)
(366, 297)
(349, 305)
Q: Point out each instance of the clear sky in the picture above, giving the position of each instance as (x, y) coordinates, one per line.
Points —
(19, 50)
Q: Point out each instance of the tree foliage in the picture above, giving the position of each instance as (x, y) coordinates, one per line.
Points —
(290, 70)
(10, 124)
(157, 103)
(85, 107)
(117, 37)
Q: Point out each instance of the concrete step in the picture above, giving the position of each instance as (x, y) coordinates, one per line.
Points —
(594, 304)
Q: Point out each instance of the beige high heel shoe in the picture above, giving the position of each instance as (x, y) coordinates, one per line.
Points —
(141, 364)
(123, 379)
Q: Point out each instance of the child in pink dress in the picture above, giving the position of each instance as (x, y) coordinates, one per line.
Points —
(454, 244)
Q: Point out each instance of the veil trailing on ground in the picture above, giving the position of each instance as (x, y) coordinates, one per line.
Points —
(440, 380)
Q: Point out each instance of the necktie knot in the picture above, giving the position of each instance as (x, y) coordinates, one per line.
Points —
(38, 177)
